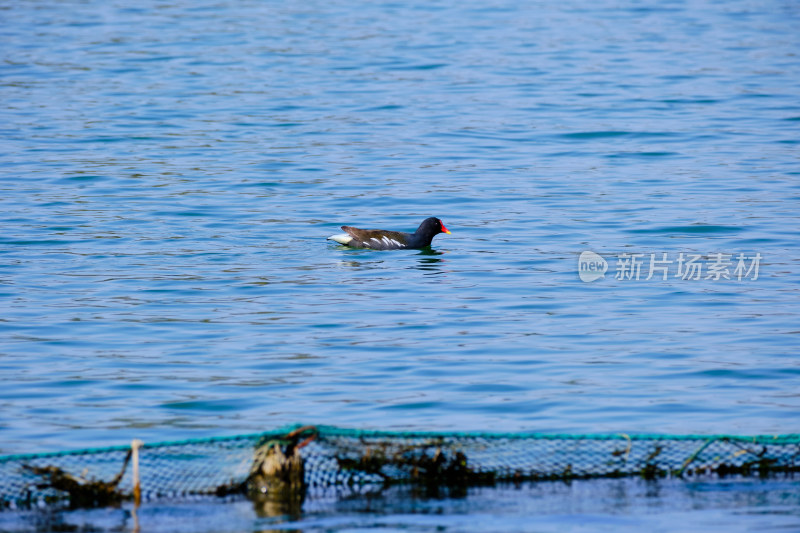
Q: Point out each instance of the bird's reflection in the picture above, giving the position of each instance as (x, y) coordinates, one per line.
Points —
(427, 260)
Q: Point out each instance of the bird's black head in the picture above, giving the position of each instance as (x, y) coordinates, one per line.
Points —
(432, 226)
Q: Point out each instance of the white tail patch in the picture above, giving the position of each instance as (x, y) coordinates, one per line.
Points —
(342, 238)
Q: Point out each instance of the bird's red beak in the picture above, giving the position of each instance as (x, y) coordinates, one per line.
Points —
(444, 230)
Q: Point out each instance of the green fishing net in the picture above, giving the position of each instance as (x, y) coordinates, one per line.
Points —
(291, 463)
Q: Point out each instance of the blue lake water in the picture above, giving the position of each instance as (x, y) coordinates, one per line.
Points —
(169, 173)
(735, 505)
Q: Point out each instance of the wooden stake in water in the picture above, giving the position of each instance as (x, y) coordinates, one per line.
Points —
(137, 489)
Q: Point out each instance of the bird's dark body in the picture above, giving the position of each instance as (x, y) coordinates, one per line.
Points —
(378, 239)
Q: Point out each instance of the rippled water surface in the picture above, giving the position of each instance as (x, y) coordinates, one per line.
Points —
(169, 173)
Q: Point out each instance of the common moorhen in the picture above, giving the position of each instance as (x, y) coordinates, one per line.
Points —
(379, 239)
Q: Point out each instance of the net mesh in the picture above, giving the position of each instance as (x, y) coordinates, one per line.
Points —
(328, 457)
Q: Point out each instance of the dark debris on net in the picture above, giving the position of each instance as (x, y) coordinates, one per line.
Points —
(284, 465)
(81, 491)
